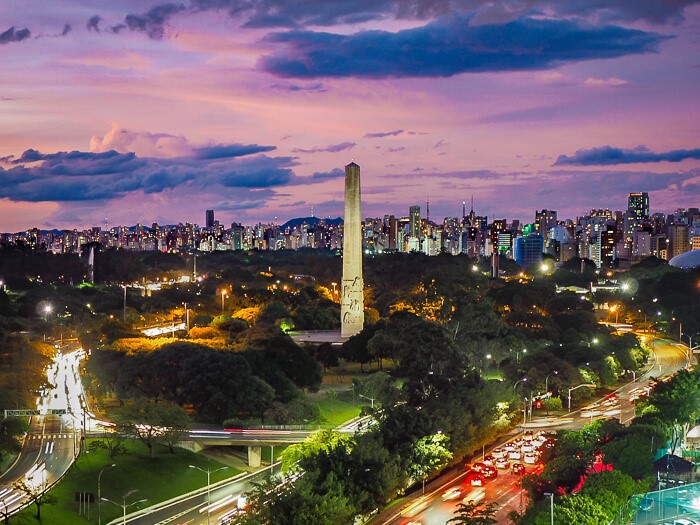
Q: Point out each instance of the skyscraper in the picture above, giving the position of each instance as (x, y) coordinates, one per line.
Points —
(352, 315)
(638, 204)
(414, 224)
(210, 219)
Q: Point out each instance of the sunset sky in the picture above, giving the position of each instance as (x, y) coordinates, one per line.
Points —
(143, 111)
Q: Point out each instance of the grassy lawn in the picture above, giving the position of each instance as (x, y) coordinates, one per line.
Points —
(164, 477)
(336, 410)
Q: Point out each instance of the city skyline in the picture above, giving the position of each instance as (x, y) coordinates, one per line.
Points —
(252, 109)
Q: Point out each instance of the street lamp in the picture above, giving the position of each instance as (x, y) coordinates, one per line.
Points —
(551, 507)
(590, 385)
(690, 341)
(223, 296)
(555, 372)
(99, 494)
(125, 505)
(47, 310)
(517, 354)
(370, 399)
(187, 318)
(208, 472)
(524, 379)
(616, 309)
(593, 341)
(124, 312)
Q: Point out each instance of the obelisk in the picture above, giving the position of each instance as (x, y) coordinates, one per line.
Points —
(352, 307)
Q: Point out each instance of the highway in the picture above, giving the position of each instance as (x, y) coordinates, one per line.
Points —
(52, 441)
(667, 357)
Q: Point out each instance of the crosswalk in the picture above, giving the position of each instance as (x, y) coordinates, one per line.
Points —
(49, 436)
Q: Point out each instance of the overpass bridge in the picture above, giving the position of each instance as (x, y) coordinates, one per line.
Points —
(255, 439)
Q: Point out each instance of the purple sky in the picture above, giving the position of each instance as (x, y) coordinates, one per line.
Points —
(153, 112)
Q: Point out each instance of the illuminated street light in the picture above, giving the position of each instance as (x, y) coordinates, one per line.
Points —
(99, 494)
(125, 505)
(546, 379)
(523, 380)
(47, 310)
(208, 472)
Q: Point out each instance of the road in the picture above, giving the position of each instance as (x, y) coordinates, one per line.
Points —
(667, 358)
(52, 441)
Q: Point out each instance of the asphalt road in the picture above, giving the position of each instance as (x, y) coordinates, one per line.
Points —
(51, 442)
(504, 490)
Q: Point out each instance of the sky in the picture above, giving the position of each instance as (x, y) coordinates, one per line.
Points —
(150, 111)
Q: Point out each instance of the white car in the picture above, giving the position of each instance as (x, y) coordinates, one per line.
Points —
(515, 455)
(450, 494)
(530, 459)
(474, 496)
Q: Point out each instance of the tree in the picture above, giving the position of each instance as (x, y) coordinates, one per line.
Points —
(631, 454)
(311, 446)
(610, 489)
(552, 404)
(581, 510)
(153, 422)
(37, 494)
(430, 453)
(475, 513)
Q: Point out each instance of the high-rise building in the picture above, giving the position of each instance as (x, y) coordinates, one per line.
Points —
(545, 220)
(210, 219)
(638, 204)
(414, 221)
(528, 249)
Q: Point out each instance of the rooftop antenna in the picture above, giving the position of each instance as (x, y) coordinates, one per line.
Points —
(427, 209)
(312, 211)
(464, 209)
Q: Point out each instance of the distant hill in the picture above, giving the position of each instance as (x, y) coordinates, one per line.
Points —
(311, 221)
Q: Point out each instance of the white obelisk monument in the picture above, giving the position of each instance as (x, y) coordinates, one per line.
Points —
(352, 309)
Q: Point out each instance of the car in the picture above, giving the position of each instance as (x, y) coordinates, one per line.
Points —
(518, 468)
(475, 480)
(450, 494)
(488, 459)
(527, 447)
(490, 472)
(474, 496)
(502, 463)
(479, 467)
(498, 453)
(514, 455)
(530, 458)
(509, 447)
(414, 522)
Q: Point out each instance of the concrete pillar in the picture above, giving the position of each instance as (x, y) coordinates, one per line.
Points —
(254, 456)
(352, 315)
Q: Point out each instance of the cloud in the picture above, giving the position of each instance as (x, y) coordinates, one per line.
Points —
(78, 175)
(322, 176)
(608, 155)
(153, 22)
(143, 143)
(381, 134)
(536, 114)
(450, 46)
(332, 148)
(67, 28)
(242, 204)
(603, 82)
(224, 151)
(316, 88)
(394, 150)
(93, 24)
(12, 35)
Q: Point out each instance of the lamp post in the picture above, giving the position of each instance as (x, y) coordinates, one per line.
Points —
(223, 296)
(551, 507)
(546, 379)
(124, 505)
(208, 473)
(47, 310)
(370, 399)
(99, 494)
(524, 379)
(588, 343)
(187, 318)
(124, 311)
(576, 387)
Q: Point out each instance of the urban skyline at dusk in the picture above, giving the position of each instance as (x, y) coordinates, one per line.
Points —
(252, 109)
